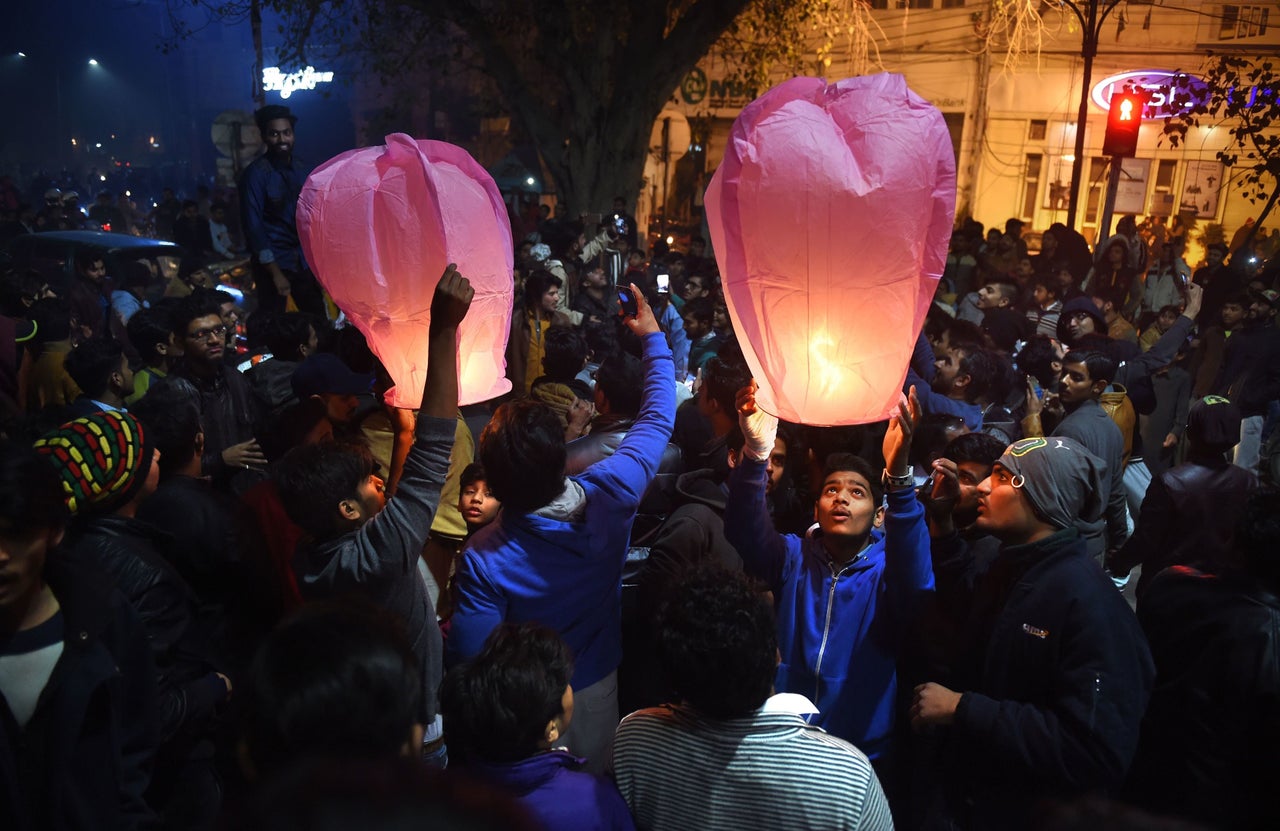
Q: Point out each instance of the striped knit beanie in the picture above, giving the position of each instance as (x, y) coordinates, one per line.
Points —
(103, 460)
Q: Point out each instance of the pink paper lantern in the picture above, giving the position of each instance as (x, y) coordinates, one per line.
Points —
(830, 216)
(379, 225)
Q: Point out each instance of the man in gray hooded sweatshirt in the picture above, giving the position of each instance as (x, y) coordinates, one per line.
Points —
(363, 543)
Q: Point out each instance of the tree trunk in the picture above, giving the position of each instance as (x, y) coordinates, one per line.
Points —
(1253, 232)
(587, 80)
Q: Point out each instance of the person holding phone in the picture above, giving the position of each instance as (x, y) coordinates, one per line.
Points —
(671, 323)
(555, 554)
(624, 224)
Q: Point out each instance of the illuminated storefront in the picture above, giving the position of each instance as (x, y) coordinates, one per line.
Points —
(1014, 131)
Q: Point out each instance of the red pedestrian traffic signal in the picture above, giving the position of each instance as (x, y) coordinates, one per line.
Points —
(1123, 122)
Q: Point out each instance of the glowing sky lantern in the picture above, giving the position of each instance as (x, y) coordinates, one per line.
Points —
(378, 226)
(830, 216)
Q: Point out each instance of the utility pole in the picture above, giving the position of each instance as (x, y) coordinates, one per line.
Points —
(969, 195)
(255, 24)
(1092, 15)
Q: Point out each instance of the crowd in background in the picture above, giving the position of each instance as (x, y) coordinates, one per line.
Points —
(237, 588)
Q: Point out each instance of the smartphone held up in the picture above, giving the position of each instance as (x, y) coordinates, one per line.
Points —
(627, 301)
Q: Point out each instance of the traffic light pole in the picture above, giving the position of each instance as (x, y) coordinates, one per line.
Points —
(1120, 142)
(1091, 16)
(1109, 205)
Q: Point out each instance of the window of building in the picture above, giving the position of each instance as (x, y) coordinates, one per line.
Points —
(1097, 184)
(955, 126)
(1162, 190)
(1037, 130)
(916, 4)
(1031, 185)
(1243, 21)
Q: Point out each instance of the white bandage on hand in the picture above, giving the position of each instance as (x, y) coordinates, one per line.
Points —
(760, 430)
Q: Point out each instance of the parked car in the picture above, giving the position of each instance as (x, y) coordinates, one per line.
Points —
(53, 254)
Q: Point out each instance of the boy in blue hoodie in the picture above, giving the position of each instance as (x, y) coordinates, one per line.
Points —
(507, 710)
(555, 553)
(845, 594)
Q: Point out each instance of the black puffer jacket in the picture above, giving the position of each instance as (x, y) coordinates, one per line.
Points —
(125, 549)
(84, 758)
(229, 414)
(607, 433)
(1208, 747)
(1188, 517)
(1250, 374)
(271, 382)
(1055, 679)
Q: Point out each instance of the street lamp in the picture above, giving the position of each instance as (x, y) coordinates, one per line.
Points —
(1092, 15)
(93, 62)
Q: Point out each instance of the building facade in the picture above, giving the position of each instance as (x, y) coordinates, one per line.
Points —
(1013, 120)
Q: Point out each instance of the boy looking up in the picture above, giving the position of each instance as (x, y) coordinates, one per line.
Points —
(843, 595)
(362, 542)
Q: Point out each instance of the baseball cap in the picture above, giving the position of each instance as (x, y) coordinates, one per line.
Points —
(323, 373)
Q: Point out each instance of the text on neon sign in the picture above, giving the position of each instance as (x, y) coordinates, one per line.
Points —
(273, 80)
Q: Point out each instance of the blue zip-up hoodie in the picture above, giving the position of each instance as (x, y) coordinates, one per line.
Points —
(838, 628)
(568, 575)
(557, 792)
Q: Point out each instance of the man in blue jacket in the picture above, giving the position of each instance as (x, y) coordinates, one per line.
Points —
(555, 553)
(269, 189)
(845, 594)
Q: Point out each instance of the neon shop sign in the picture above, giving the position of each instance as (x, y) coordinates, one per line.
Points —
(1172, 93)
(273, 80)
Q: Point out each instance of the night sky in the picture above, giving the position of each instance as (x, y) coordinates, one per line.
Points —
(136, 92)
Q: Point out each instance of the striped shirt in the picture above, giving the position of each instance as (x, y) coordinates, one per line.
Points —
(679, 770)
(1046, 320)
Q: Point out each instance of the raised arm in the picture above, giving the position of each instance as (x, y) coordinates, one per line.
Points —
(922, 359)
(1162, 352)
(747, 524)
(630, 469)
(396, 535)
(908, 571)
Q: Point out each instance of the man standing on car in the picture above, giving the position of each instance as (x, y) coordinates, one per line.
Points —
(269, 189)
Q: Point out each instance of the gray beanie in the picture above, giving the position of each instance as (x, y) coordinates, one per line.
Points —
(1061, 479)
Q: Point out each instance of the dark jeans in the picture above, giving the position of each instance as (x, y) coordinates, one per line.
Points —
(302, 285)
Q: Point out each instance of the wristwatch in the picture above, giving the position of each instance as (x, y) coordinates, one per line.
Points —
(894, 483)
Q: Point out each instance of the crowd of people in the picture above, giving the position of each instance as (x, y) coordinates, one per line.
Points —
(237, 589)
(205, 224)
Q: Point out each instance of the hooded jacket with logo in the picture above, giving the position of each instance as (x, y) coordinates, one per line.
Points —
(566, 571)
(839, 627)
